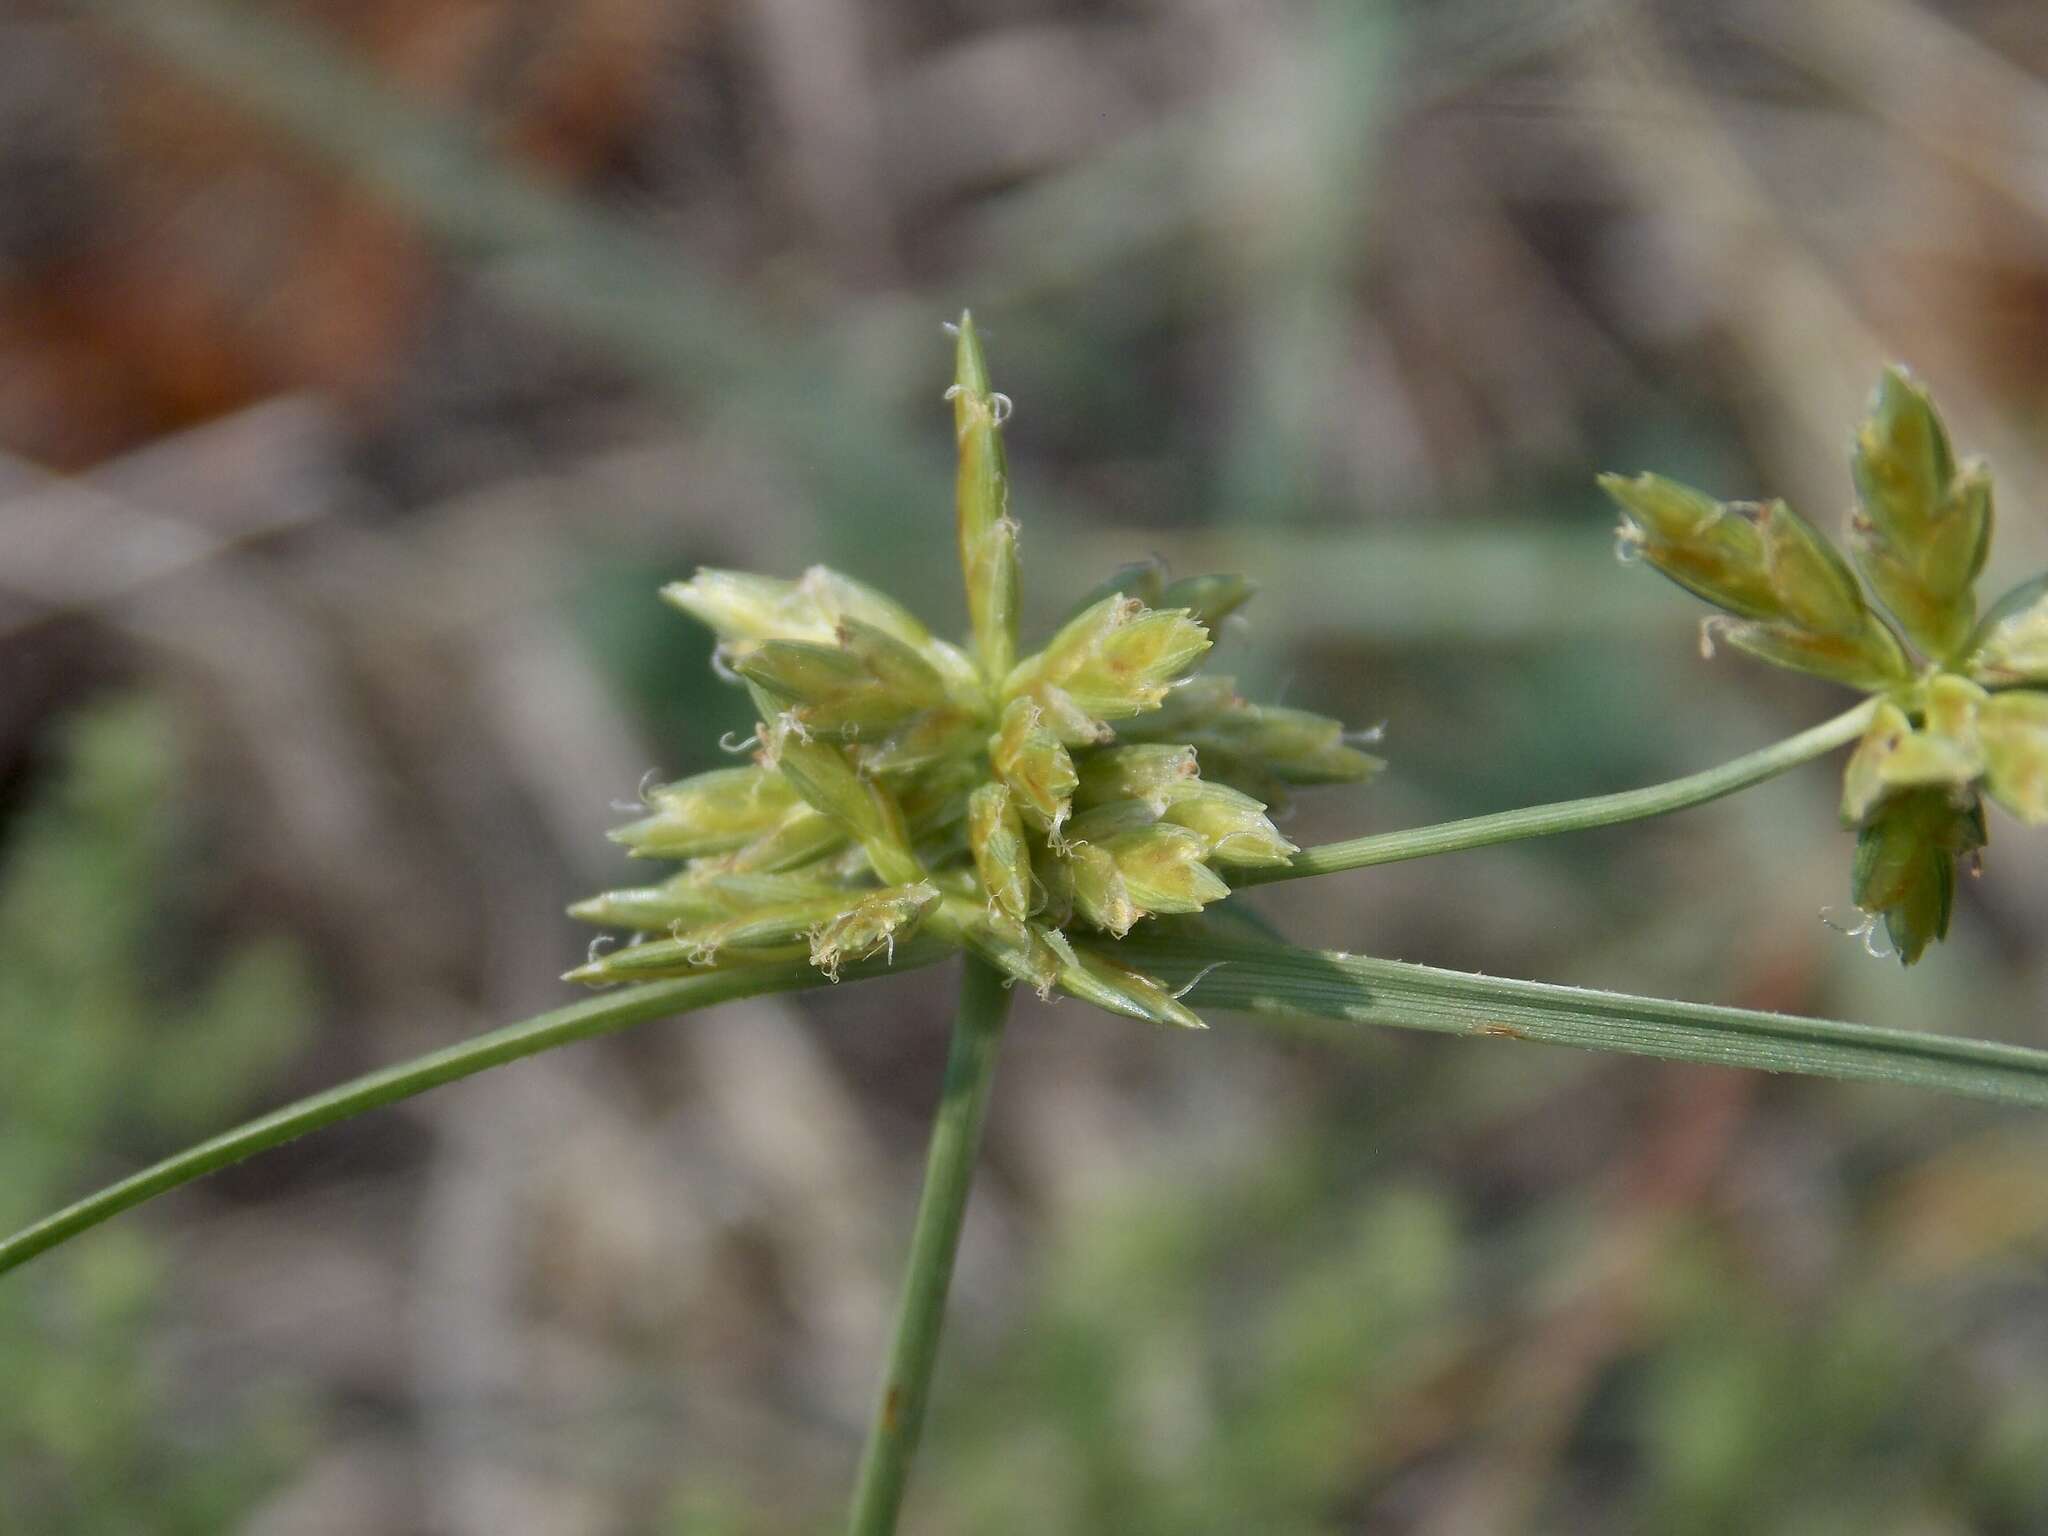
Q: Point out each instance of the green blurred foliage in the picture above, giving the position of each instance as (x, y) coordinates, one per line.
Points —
(1210, 1360)
(1860, 1408)
(660, 666)
(94, 1436)
(1329, 1336)
(1283, 1356)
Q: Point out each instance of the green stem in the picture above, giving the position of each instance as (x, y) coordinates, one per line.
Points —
(579, 1021)
(949, 1170)
(1569, 815)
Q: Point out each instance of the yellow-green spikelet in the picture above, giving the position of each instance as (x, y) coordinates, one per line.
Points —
(1965, 718)
(901, 784)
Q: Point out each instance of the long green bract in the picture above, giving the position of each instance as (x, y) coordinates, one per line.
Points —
(604, 1015)
(1278, 979)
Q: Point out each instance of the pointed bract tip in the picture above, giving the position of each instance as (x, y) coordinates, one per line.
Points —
(970, 367)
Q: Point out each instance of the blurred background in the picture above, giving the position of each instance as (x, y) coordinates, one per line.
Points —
(364, 367)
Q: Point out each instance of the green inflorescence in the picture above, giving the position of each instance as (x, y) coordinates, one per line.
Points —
(1960, 711)
(1031, 810)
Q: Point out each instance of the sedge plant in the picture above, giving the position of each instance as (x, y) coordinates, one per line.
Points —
(1069, 819)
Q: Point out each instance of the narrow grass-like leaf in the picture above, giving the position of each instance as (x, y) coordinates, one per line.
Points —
(1273, 978)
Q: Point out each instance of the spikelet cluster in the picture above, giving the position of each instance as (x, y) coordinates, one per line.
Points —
(1032, 810)
(1962, 705)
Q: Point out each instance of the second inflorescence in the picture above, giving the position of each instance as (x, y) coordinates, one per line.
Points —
(1960, 706)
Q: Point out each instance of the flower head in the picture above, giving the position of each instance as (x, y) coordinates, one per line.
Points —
(1033, 810)
(1966, 716)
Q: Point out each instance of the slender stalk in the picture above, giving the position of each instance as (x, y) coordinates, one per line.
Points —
(579, 1021)
(1569, 815)
(949, 1170)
